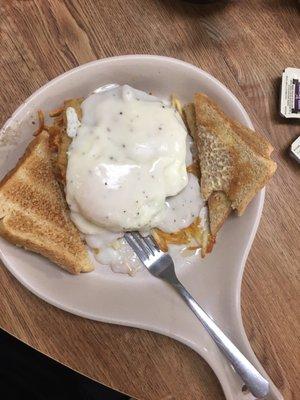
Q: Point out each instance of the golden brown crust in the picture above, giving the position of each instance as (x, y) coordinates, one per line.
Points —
(212, 117)
(190, 117)
(233, 159)
(34, 213)
(219, 208)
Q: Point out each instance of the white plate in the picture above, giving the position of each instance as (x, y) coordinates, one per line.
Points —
(105, 296)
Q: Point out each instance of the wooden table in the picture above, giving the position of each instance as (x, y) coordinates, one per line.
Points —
(246, 45)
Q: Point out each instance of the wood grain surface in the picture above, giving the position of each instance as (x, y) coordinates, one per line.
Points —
(244, 44)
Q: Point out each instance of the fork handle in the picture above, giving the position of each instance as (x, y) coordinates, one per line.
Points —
(254, 381)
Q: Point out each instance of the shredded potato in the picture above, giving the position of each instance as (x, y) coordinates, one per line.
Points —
(58, 138)
(175, 102)
(194, 169)
(57, 112)
(41, 126)
(194, 237)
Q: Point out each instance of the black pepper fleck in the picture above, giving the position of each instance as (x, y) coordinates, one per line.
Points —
(108, 129)
(105, 183)
(121, 113)
(123, 145)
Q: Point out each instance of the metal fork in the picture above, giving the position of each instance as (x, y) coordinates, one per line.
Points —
(161, 265)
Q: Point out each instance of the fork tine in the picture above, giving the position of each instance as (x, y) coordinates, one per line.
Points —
(152, 245)
(149, 243)
(136, 246)
(143, 244)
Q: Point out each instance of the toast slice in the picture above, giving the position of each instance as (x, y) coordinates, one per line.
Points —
(219, 206)
(33, 210)
(233, 159)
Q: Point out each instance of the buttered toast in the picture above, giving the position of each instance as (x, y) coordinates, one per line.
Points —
(34, 214)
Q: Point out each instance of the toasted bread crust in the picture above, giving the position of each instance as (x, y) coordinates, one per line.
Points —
(33, 210)
(233, 159)
(219, 208)
(213, 117)
(190, 117)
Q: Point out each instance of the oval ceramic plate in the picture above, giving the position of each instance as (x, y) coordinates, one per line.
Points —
(120, 299)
